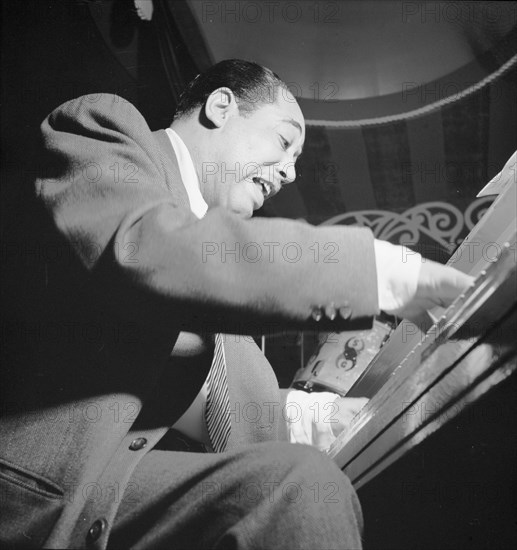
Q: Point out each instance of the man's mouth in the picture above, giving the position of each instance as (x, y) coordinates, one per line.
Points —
(265, 186)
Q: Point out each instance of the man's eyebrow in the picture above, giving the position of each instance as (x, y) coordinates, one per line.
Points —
(294, 123)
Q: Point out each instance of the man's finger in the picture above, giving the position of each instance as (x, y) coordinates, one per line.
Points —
(440, 283)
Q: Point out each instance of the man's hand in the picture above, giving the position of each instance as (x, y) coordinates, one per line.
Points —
(438, 285)
(345, 410)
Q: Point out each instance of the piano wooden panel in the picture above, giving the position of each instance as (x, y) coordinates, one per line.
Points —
(436, 381)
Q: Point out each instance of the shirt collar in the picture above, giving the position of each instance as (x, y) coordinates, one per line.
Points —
(188, 174)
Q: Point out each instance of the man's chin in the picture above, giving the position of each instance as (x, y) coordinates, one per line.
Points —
(242, 211)
(245, 214)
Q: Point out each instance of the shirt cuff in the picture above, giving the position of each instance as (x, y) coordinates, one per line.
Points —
(309, 418)
(398, 269)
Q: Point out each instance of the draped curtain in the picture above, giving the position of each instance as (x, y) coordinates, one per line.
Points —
(183, 51)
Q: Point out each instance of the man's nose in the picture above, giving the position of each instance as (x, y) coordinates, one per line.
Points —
(287, 173)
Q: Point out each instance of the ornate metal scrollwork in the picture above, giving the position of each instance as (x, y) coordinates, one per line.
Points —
(438, 222)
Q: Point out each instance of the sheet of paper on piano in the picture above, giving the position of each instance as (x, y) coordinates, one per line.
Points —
(423, 362)
(506, 176)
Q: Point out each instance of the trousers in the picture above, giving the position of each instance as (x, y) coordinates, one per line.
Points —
(271, 495)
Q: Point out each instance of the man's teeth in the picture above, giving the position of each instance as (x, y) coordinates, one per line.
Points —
(266, 187)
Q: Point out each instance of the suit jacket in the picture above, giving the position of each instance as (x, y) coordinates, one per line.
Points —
(118, 267)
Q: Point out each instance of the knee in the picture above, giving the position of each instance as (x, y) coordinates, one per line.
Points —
(280, 461)
(314, 481)
(301, 478)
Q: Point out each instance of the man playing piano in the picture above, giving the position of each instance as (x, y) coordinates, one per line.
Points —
(162, 241)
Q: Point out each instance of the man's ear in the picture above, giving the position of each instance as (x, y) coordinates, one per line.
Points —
(220, 106)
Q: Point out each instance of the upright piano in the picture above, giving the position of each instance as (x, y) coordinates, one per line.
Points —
(427, 374)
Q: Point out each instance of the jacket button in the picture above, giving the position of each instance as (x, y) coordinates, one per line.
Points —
(98, 527)
(138, 443)
(345, 312)
(316, 313)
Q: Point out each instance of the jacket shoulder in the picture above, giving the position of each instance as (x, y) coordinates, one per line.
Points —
(105, 110)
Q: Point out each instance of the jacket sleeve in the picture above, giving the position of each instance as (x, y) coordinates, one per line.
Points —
(106, 189)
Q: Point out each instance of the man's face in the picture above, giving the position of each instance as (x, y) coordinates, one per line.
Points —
(256, 155)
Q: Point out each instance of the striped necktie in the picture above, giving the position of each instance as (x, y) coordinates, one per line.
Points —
(217, 400)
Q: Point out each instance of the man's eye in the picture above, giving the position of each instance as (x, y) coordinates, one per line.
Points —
(284, 142)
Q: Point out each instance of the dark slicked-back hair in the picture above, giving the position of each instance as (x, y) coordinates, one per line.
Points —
(252, 85)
